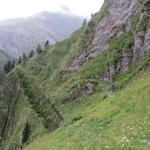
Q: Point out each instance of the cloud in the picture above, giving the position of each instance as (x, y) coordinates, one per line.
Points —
(65, 9)
(24, 8)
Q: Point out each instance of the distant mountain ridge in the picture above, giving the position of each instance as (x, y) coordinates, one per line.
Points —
(23, 34)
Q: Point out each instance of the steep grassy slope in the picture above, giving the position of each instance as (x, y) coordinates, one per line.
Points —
(118, 121)
(23, 35)
(42, 66)
(17, 117)
(29, 112)
(44, 84)
(69, 86)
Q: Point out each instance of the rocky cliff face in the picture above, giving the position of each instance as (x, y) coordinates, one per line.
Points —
(120, 17)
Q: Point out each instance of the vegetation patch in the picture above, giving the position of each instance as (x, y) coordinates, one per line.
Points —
(121, 121)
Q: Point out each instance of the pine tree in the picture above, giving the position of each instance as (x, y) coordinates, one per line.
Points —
(47, 44)
(7, 67)
(13, 64)
(24, 57)
(31, 54)
(19, 60)
(39, 49)
(84, 23)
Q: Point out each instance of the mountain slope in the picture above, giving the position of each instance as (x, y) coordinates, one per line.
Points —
(23, 35)
(120, 121)
(83, 85)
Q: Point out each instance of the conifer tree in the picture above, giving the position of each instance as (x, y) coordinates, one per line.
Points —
(24, 57)
(31, 54)
(47, 44)
(19, 60)
(13, 64)
(39, 49)
(7, 67)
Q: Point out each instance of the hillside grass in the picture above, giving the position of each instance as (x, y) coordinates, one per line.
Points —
(24, 115)
(72, 85)
(45, 81)
(117, 121)
(42, 66)
(94, 118)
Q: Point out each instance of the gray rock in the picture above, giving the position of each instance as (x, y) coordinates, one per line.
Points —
(138, 44)
(146, 46)
(120, 13)
(126, 62)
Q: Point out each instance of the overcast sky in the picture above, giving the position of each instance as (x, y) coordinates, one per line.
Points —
(24, 8)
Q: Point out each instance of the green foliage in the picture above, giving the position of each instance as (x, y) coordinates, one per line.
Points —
(44, 83)
(46, 44)
(117, 46)
(87, 36)
(23, 114)
(15, 113)
(142, 22)
(72, 85)
(123, 78)
(121, 121)
(29, 76)
(38, 100)
(24, 57)
(39, 49)
(9, 66)
(43, 65)
(146, 2)
(31, 54)
(46, 88)
(20, 60)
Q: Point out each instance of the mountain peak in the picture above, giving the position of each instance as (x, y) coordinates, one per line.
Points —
(52, 26)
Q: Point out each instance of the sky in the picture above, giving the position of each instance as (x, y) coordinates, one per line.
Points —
(24, 8)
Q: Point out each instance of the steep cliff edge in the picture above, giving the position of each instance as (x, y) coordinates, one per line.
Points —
(85, 86)
(114, 20)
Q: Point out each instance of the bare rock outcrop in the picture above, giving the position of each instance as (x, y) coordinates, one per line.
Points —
(138, 44)
(146, 46)
(119, 19)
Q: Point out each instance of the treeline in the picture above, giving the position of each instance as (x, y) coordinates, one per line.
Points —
(11, 64)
